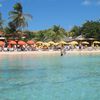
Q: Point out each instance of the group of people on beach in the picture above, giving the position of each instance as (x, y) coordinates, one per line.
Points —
(41, 47)
(38, 48)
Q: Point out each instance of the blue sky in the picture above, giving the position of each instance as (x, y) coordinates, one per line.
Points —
(46, 13)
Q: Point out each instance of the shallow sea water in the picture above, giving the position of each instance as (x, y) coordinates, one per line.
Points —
(50, 77)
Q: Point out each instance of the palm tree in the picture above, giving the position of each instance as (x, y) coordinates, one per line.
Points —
(29, 35)
(41, 35)
(18, 18)
(1, 22)
(56, 33)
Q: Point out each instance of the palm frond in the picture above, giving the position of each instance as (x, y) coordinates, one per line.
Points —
(27, 16)
(13, 13)
(18, 18)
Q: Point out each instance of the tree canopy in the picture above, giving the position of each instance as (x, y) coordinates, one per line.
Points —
(91, 29)
(18, 20)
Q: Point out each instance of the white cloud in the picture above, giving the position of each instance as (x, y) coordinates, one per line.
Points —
(98, 2)
(86, 2)
(91, 2)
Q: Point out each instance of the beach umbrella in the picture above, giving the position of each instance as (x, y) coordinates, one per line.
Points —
(46, 44)
(12, 42)
(51, 42)
(30, 42)
(56, 44)
(74, 43)
(39, 42)
(85, 42)
(21, 43)
(62, 42)
(2, 43)
(96, 42)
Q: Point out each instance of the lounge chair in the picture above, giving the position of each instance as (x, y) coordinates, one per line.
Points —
(5, 49)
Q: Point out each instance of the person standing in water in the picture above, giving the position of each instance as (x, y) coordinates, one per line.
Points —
(63, 51)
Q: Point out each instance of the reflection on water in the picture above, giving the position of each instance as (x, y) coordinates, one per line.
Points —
(45, 77)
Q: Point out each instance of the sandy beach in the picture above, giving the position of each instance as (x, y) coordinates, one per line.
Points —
(74, 52)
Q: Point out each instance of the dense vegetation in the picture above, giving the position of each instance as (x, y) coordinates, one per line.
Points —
(18, 21)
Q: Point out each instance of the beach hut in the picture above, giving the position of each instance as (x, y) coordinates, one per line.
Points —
(80, 38)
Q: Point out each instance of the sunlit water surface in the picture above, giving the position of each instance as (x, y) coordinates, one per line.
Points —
(47, 77)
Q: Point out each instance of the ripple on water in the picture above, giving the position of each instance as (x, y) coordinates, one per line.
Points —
(50, 77)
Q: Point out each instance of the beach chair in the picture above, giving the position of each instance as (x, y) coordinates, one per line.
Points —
(5, 49)
(11, 49)
(0, 48)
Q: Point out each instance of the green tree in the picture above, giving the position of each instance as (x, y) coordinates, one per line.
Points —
(41, 36)
(18, 18)
(75, 31)
(70, 34)
(1, 22)
(29, 35)
(91, 29)
(56, 33)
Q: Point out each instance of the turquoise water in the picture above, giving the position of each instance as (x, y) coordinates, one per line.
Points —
(50, 77)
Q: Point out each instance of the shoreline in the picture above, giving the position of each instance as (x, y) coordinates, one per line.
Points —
(74, 52)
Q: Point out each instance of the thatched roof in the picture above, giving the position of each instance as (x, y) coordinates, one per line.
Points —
(80, 37)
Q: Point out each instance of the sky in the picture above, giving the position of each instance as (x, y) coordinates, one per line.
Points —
(47, 13)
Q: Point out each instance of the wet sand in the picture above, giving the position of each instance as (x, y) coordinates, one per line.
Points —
(83, 52)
